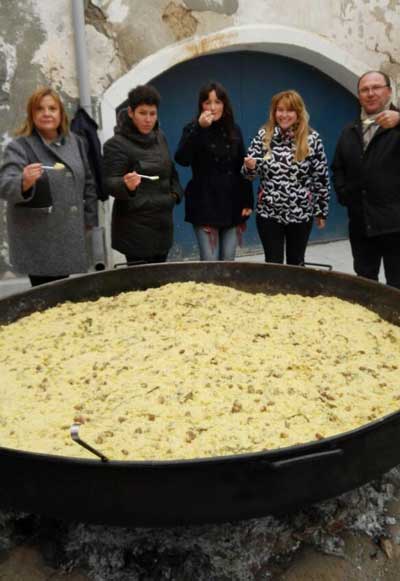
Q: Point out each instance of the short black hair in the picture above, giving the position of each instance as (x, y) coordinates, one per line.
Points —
(143, 95)
(384, 75)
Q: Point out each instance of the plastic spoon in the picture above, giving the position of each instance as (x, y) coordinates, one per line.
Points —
(56, 166)
(148, 177)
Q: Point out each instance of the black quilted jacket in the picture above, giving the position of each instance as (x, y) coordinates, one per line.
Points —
(142, 222)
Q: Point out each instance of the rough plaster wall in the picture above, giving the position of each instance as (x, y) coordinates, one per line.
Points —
(220, 6)
(20, 32)
(180, 21)
(140, 29)
(105, 64)
(367, 29)
(59, 65)
(137, 28)
(55, 56)
(364, 28)
(121, 33)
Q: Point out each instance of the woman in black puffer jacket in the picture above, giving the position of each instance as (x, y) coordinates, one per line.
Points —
(142, 226)
(218, 199)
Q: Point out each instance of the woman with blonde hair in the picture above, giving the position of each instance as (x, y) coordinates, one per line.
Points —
(50, 193)
(289, 158)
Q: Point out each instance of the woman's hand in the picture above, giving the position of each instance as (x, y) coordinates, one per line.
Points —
(246, 212)
(30, 174)
(320, 222)
(250, 163)
(132, 180)
(206, 119)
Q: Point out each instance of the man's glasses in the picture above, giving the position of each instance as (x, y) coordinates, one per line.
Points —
(373, 89)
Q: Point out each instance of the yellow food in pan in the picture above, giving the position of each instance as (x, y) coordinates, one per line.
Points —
(193, 370)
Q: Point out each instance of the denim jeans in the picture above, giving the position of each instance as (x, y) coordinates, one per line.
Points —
(219, 244)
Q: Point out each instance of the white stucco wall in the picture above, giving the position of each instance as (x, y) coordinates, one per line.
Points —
(363, 28)
(121, 34)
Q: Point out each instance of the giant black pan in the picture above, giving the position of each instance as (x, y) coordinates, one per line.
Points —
(201, 490)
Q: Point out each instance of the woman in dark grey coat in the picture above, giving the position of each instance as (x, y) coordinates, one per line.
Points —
(51, 198)
(139, 173)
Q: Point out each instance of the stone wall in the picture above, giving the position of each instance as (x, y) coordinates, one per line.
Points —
(37, 42)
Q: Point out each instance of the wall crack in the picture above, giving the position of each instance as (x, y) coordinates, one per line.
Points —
(389, 55)
(96, 18)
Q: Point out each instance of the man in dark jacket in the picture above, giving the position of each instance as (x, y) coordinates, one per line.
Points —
(366, 175)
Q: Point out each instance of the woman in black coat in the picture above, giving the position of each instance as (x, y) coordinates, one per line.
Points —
(218, 199)
(139, 173)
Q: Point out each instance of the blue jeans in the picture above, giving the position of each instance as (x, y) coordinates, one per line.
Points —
(219, 244)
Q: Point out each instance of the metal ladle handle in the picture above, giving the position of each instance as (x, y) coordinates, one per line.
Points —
(74, 431)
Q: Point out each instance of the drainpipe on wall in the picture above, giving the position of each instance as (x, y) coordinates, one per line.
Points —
(100, 256)
(81, 54)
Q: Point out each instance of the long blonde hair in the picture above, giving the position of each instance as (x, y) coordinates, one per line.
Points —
(28, 125)
(292, 101)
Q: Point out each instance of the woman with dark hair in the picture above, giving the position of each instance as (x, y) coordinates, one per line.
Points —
(218, 199)
(139, 173)
(289, 158)
(50, 192)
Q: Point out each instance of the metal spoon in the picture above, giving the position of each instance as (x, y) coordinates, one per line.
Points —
(74, 433)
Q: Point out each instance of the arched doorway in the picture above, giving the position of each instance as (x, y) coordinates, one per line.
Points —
(251, 78)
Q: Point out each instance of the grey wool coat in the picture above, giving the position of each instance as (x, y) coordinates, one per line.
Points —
(47, 243)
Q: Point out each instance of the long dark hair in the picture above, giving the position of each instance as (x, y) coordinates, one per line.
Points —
(227, 118)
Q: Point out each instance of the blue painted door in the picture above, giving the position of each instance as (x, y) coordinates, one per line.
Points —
(251, 78)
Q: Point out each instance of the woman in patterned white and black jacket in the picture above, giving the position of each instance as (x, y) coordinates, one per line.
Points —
(290, 160)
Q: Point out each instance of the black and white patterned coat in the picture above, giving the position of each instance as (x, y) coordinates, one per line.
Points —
(290, 191)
